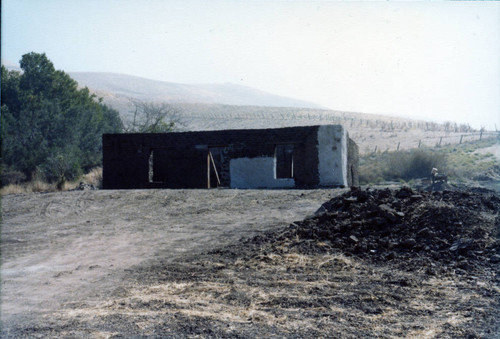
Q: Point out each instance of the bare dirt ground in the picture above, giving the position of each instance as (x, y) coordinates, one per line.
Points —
(170, 263)
(61, 250)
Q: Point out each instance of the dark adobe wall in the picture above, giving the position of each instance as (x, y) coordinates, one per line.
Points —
(182, 160)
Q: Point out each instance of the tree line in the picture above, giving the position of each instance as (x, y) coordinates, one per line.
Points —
(52, 128)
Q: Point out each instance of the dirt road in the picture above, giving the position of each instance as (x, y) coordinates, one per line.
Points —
(72, 248)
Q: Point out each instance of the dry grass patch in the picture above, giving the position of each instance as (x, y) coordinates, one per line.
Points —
(296, 293)
(39, 185)
(35, 186)
(94, 177)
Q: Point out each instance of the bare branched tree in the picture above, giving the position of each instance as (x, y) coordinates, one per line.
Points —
(151, 117)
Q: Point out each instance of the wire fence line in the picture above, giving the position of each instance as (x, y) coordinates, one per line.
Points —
(436, 141)
(266, 116)
(349, 119)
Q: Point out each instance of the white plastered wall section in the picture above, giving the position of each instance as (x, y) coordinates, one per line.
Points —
(256, 173)
(332, 155)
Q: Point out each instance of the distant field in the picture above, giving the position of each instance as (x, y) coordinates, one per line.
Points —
(371, 132)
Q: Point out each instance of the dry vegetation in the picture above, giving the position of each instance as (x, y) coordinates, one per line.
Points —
(296, 295)
(475, 160)
(40, 184)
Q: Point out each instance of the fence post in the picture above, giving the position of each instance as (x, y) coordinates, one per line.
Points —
(375, 151)
(419, 142)
(461, 137)
(398, 146)
(480, 135)
(440, 139)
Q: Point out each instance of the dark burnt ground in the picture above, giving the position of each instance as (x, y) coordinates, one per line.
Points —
(450, 230)
(370, 263)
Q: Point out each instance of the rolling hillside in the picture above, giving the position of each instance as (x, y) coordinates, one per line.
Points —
(160, 91)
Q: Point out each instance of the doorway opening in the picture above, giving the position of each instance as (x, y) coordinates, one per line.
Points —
(157, 169)
(217, 171)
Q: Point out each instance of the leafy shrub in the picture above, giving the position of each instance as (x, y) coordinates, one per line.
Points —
(413, 164)
(10, 177)
(62, 166)
(401, 165)
(461, 162)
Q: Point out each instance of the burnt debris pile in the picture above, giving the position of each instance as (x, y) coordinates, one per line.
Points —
(450, 226)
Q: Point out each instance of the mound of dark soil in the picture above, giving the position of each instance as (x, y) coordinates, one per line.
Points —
(452, 227)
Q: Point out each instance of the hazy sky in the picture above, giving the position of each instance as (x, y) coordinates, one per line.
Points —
(430, 60)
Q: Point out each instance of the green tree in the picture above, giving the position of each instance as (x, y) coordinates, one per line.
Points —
(48, 124)
(38, 73)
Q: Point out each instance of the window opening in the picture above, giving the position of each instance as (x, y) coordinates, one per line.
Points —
(283, 156)
(157, 169)
(151, 166)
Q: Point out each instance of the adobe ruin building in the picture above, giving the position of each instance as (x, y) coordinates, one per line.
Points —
(292, 157)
